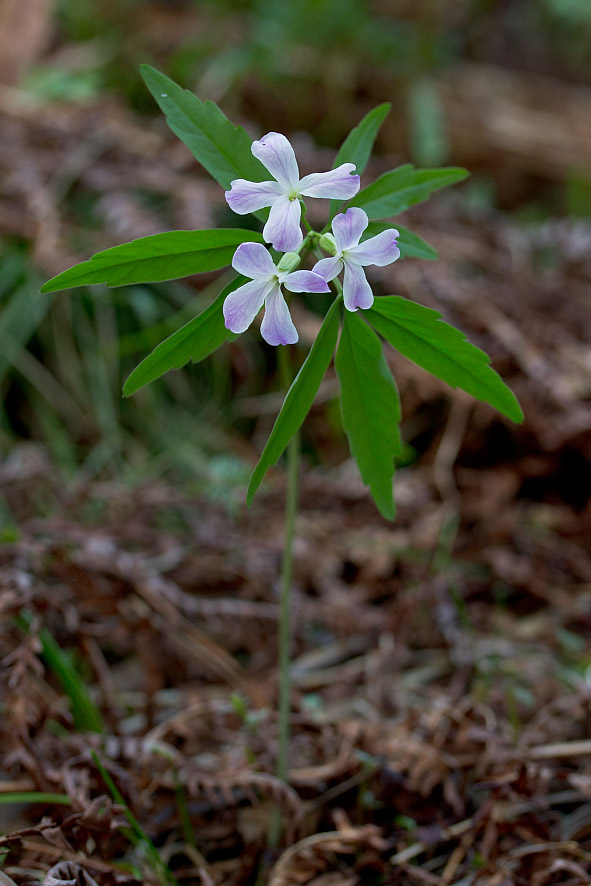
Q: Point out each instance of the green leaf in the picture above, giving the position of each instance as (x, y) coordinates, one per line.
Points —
(194, 341)
(421, 335)
(370, 408)
(409, 243)
(395, 191)
(358, 145)
(164, 256)
(299, 398)
(222, 148)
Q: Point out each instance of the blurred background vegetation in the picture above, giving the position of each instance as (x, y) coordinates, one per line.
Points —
(501, 86)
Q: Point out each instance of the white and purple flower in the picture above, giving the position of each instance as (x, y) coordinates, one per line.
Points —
(349, 253)
(282, 229)
(243, 304)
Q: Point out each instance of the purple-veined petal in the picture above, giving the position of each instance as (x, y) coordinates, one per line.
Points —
(253, 260)
(282, 229)
(329, 268)
(305, 281)
(242, 305)
(348, 227)
(356, 290)
(277, 327)
(277, 155)
(379, 250)
(338, 184)
(245, 196)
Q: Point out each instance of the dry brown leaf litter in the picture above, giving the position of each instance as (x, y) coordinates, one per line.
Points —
(441, 702)
(469, 720)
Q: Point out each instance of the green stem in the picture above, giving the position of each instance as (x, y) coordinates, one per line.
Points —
(284, 633)
(291, 504)
(304, 219)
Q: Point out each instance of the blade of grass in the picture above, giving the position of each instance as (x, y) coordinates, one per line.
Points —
(87, 717)
(185, 818)
(34, 797)
(138, 835)
(19, 319)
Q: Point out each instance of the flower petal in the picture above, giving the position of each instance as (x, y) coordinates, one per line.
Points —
(283, 225)
(253, 260)
(329, 268)
(379, 250)
(356, 290)
(348, 227)
(305, 281)
(242, 305)
(277, 327)
(245, 196)
(277, 155)
(337, 184)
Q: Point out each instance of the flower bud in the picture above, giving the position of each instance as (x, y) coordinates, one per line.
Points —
(288, 262)
(328, 243)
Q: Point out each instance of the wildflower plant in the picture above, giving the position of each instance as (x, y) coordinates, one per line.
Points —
(357, 235)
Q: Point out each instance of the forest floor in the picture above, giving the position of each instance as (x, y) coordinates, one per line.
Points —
(441, 706)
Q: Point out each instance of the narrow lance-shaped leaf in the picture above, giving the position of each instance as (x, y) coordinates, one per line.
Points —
(370, 408)
(299, 398)
(222, 148)
(395, 191)
(409, 243)
(421, 335)
(165, 256)
(358, 145)
(194, 341)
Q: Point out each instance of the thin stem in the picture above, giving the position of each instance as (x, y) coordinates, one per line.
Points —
(304, 219)
(291, 502)
(284, 633)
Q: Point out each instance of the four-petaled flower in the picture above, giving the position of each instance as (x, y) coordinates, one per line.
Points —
(243, 304)
(282, 229)
(379, 250)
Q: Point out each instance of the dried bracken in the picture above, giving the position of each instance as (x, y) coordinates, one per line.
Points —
(441, 695)
(457, 729)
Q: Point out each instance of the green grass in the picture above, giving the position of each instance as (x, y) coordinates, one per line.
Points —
(135, 833)
(63, 361)
(17, 797)
(87, 717)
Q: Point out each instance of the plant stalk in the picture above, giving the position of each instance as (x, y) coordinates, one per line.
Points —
(284, 638)
(284, 632)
